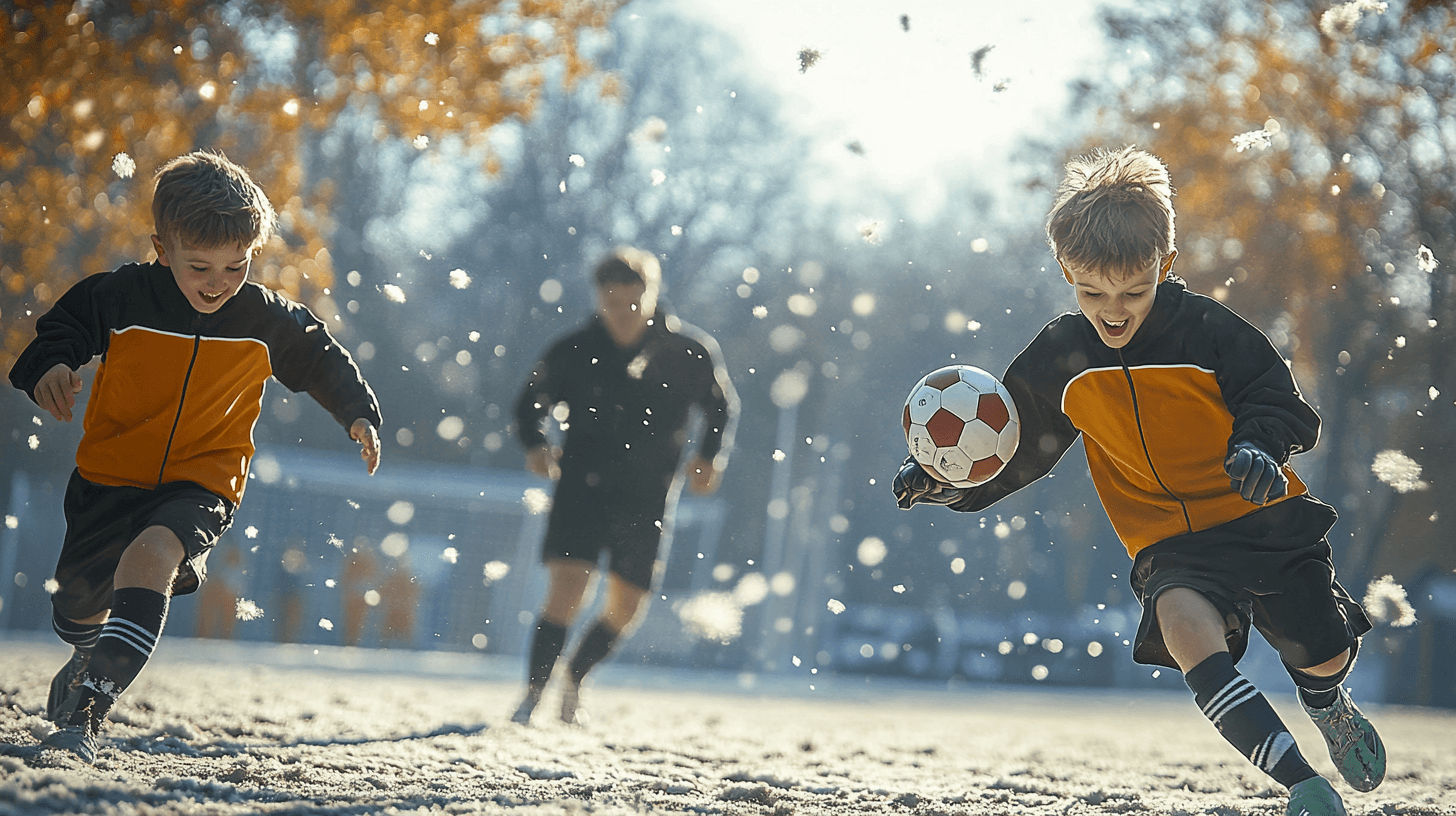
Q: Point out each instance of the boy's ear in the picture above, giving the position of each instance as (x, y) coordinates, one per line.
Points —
(1066, 274)
(1167, 265)
(161, 251)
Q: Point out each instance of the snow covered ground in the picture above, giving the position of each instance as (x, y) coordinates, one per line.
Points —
(224, 728)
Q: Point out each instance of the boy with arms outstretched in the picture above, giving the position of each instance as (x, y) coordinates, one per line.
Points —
(1188, 416)
(186, 345)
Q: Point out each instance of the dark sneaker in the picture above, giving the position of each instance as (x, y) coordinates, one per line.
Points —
(528, 705)
(1314, 797)
(76, 739)
(64, 683)
(1356, 749)
(571, 711)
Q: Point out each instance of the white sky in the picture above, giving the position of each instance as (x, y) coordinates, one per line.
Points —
(911, 97)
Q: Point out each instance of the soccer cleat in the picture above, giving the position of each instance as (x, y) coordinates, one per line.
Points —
(528, 705)
(76, 739)
(571, 711)
(64, 685)
(1314, 797)
(1356, 749)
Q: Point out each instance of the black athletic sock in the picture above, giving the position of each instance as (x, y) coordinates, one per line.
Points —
(546, 646)
(592, 650)
(1244, 717)
(80, 635)
(123, 647)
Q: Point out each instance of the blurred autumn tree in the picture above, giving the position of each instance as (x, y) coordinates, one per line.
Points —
(1311, 148)
(96, 96)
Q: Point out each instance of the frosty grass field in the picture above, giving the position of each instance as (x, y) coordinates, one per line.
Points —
(212, 728)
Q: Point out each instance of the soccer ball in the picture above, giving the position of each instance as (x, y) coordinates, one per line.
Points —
(961, 425)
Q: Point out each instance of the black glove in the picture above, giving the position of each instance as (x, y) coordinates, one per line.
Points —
(1254, 474)
(913, 485)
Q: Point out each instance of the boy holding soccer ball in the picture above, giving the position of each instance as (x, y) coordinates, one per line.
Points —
(186, 344)
(1189, 417)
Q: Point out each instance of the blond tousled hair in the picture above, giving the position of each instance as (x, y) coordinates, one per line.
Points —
(204, 200)
(1114, 213)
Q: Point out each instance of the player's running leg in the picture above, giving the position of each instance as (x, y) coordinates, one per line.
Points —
(1193, 630)
(125, 643)
(625, 602)
(81, 635)
(569, 582)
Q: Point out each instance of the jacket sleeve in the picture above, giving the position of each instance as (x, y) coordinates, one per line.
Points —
(536, 398)
(73, 331)
(1035, 381)
(1260, 392)
(307, 358)
(719, 402)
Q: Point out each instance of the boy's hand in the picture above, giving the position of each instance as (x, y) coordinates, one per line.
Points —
(702, 476)
(913, 485)
(56, 391)
(541, 460)
(1254, 474)
(362, 431)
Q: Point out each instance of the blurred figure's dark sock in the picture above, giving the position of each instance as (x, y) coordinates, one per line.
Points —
(123, 647)
(1246, 719)
(546, 647)
(592, 650)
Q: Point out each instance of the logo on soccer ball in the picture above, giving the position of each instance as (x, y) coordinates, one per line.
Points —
(961, 425)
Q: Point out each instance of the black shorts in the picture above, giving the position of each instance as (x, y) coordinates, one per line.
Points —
(1270, 569)
(102, 521)
(632, 526)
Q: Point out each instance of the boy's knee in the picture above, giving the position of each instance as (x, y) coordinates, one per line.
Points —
(151, 560)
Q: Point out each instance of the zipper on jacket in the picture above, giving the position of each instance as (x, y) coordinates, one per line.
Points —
(196, 344)
(1138, 418)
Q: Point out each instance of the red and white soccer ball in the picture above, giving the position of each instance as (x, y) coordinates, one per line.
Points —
(961, 425)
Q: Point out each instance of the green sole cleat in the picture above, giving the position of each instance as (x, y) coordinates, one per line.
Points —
(1356, 749)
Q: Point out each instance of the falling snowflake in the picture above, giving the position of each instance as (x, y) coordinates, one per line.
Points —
(12, 522)
(1426, 259)
(459, 278)
(835, 606)
(123, 165)
(1385, 602)
(1399, 471)
(536, 501)
(393, 292)
(978, 61)
(250, 531)
(51, 586)
(247, 610)
(326, 624)
(450, 555)
(432, 38)
(715, 616)
(808, 58)
(1252, 139)
(778, 456)
(676, 229)
(576, 159)
(1339, 22)
(421, 142)
(899, 589)
(337, 542)
(869, 230)
(33, 441)
(760, 312)
(658, 177)
(495, 570)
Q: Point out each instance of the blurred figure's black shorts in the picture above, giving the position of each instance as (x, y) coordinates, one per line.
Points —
(1270, 569)
(102, 520)
(632, 526)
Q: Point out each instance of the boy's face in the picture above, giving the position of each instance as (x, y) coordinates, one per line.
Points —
(620, 306)
(207, 277)
(1117, 307)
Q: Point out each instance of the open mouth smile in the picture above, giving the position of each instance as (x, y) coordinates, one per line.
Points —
(211, 299)
(1115, 329)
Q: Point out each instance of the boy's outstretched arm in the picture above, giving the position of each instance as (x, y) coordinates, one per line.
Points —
(363, 432)
(56, 391)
